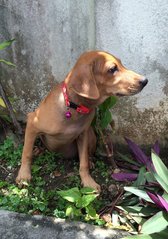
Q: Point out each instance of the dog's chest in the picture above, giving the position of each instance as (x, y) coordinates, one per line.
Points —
(65, 135)
(74, 129)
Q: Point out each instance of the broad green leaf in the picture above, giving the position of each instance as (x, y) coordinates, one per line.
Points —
(139, 220)
(41, 207)
(140, 193)
(5, 44)
(139, 211)
(79, 203)
(157, 223)
(71, 195)
(141, 180)
(107, 118)
(165, 196)
(129, 199)
(127, 159)
(160, 167)
(100, 222)
(161, 182)
(7, 62)
(69, 211)
(77, 212)
(87, 199)
(72, 212)
(109, 103)
(160, 235)
(91, 211)
(2, 103)
(149, 177)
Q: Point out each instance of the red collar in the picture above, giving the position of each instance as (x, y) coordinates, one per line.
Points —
(79, 108)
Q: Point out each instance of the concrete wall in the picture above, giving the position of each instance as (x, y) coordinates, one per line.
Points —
(50, 35)
(136, 31)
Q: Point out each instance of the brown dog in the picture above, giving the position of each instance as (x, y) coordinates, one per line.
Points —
(63, 119)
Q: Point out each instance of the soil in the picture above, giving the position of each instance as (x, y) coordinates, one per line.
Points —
(66, 175)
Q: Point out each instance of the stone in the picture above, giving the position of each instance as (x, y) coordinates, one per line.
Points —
(21, 226)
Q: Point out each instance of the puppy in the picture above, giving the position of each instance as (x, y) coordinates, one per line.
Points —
(63, 119)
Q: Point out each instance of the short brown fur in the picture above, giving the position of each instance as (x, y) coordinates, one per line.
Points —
(90, 83)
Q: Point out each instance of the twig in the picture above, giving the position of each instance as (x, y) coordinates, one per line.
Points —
(109, 153)
(4, 169)
(11, 112)
(109, 208)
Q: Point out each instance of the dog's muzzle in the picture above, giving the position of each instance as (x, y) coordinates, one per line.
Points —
(143, 83)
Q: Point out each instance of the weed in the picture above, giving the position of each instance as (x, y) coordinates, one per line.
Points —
(80, 204)
(23, 200)
(48, 160)
(36, 198)
(9, 153)
(102, 168)
(103, 115)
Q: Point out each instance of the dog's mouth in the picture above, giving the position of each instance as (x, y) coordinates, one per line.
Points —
(130, 91)
(120, 94)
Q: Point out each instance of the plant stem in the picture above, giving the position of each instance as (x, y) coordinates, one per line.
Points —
(108, 151)
(110, 207)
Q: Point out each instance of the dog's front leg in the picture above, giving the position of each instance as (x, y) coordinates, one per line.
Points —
(87, 180)
(25, 168)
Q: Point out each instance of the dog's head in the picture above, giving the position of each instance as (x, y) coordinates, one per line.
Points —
(98, 75)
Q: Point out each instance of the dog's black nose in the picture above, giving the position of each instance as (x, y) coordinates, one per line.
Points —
(143, 82)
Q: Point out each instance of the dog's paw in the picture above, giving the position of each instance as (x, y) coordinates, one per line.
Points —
(24, 175)
(89, 182)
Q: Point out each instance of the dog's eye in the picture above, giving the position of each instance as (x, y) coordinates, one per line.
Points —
(113, 69)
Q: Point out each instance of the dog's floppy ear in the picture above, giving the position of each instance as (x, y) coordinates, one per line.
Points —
(83, 81)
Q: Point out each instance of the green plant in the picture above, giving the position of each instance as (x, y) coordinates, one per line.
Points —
(9, 153)
(145, 203)
(103, 115)
(103, 119)
(40, 196)
(4, 100)
(48, 160)
(3, 46)
(27, 200)
(80, 204)
(102, 168)
(152, 194)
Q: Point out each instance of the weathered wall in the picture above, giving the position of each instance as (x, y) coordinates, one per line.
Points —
(136, 32)
(50, 35)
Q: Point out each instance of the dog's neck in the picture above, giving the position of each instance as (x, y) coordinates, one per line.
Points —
(80, 100)
(78, 107)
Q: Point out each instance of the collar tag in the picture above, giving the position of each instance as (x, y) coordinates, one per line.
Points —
(79, 108)
(82, 109)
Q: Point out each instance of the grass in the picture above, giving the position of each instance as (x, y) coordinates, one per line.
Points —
(55, 190)
(51, 173)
